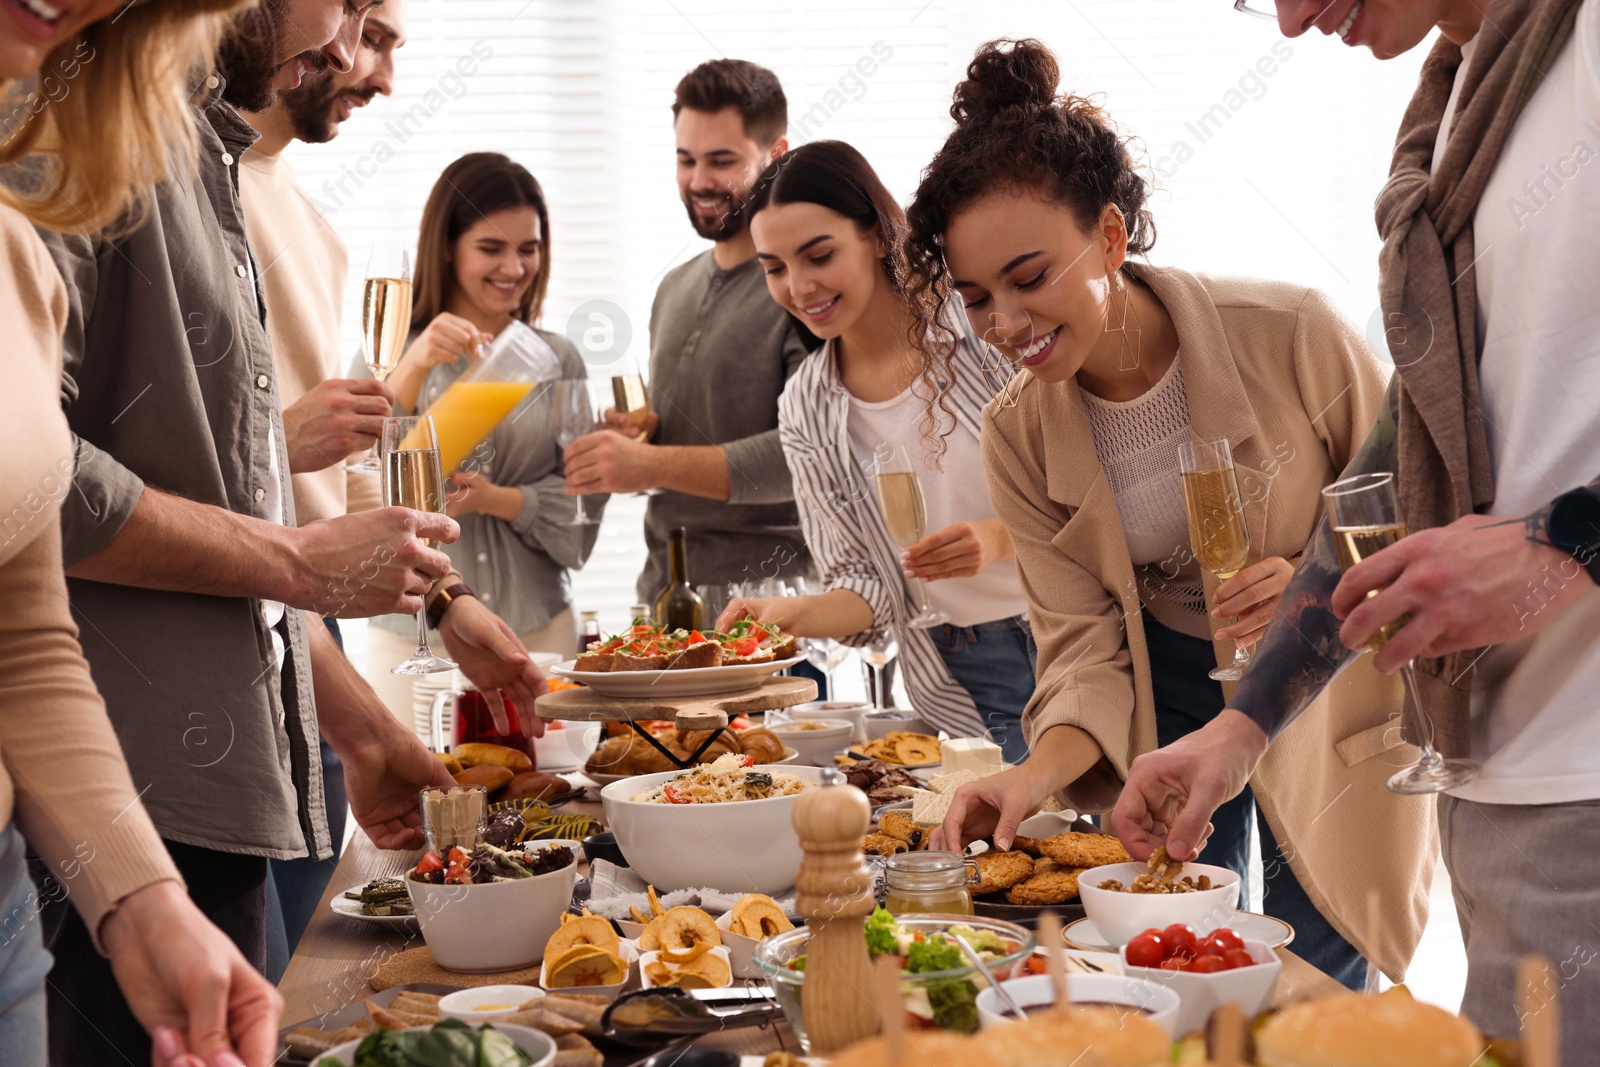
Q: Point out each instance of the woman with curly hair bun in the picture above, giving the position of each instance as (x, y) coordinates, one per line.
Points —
(1033, 215)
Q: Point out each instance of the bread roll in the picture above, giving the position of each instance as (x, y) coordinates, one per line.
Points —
(535, 785)
(477, 754)
(488, 775)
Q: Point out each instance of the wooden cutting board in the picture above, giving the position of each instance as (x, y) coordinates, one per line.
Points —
(688, 713)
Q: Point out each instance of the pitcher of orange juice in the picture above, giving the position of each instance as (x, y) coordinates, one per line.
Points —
(477, 402)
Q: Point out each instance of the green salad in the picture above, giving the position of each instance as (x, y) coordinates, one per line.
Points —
(451, 1043)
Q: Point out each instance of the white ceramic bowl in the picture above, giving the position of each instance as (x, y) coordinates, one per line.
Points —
(487, 1003)
(537, 1044)
(565, 745)
(647, 958)
(497, 926)
(816, 747)
(852, 712)
(879, 723)
(1120, 917)
(1036, 991)
(1201, 994)
(747, 846)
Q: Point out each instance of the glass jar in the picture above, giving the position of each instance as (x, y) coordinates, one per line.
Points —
(929, 883)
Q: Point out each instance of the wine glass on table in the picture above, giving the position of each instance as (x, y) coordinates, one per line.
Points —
(1216, 523)
(385, 315)
(876, 654)
(574, 419)
(906, 516)
(1366, 519)
(412, 478)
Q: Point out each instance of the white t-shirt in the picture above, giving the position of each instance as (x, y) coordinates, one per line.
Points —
(957, 492)
(1536, 700)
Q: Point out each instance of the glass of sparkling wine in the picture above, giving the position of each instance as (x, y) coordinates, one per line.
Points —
(412, 478)
(385, 315)
(574, 419)
(1216, 522)
(629, 397)
(906, 516)
(1366, 519)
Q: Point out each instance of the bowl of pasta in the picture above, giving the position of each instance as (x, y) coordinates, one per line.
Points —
(724, 825)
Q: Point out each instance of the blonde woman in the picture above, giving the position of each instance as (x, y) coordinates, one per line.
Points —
(100, 144)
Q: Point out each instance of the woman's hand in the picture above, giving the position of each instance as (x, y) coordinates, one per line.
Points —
(994, 805)
(778, 609)
(960, 550)
(836, 613)
(476, 494)
(188, 984)
(1252, 595)
(444, 340)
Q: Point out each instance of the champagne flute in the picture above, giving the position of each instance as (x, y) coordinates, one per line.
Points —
(574, 419)
(1366, 519)
(629, 397)
(385, 315)
(1216, 523)
(906, 516)
(412, 478)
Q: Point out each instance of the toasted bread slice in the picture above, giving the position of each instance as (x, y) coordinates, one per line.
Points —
(784, 646)
(627, 661)
(594, 661)
(760, 655)
(701, 654)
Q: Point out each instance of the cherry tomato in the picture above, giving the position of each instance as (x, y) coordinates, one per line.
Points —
(746, 646)
(429, 863)
(1180, 939)
(673, 796)
(1237, 957)
(1207, 964)
(457, 874)
(1035, 965)
(1156, 930)
(459, 855)
(1146, 950)
(1210, 947)
(1227, 938)
(695, 637)
(1174, 963)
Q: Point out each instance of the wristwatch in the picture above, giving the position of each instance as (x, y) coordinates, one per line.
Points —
(443, 599)
(1574, 526)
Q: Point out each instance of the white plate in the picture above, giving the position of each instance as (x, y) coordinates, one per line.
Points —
(536, 1043)
(351, 909)
(1247, 924)
(789, 756)
(697, 681)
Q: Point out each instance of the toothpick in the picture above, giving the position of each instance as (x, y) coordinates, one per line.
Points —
(1374, 928)
(1536, 997)
(886, 990)
(1054, 955)
(1228, 1047)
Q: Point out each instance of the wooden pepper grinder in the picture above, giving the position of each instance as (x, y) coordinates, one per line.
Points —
(834, 893)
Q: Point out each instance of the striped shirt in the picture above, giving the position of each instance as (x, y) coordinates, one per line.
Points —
(844, 527)
(519, 568)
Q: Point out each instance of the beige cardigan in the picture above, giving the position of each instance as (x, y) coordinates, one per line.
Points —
(60, 765)
(1273, 368)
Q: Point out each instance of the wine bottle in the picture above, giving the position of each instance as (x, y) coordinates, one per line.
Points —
(679, 607)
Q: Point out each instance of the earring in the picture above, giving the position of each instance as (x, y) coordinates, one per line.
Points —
(1130, 338)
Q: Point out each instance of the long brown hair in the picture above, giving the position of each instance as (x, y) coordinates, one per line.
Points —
(1014, 131)
(473, 187)
(109, 117)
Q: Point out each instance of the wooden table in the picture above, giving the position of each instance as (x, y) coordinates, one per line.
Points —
(337, 955)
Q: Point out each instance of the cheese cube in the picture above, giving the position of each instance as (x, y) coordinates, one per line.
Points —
(976, 754)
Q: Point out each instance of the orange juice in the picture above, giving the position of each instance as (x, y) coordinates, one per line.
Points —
(467, 413)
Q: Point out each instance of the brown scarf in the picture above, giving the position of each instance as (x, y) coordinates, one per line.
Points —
(1429, 290)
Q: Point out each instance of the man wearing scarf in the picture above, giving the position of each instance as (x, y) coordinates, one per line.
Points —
(1488, 282)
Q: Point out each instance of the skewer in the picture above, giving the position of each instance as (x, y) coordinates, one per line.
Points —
(1536, 997)
(886, 991)
(1054, 955)
(1228, 1047)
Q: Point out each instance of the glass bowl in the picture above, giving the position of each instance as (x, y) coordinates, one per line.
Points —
(956, 989)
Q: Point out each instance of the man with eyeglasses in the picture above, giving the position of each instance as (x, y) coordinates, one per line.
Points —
(1493, 431)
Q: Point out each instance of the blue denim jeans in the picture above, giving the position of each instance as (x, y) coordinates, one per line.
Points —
(994, 663)
(1185, 701)
(24, 961)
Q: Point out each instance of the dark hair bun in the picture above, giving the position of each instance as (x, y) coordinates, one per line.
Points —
(1006, 73)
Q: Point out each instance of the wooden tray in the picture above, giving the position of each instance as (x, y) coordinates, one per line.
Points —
(688, 713)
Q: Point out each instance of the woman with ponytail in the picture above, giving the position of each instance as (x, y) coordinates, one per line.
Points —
(828, 235)
(1033, 215)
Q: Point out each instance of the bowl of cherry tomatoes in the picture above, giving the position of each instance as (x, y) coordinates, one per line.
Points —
(1205, 970)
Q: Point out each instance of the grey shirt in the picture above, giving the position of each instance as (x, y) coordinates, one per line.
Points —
(519, 568)
(168, 381)
(720, 353)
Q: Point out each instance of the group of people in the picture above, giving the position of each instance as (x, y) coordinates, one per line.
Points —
(182, 736)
